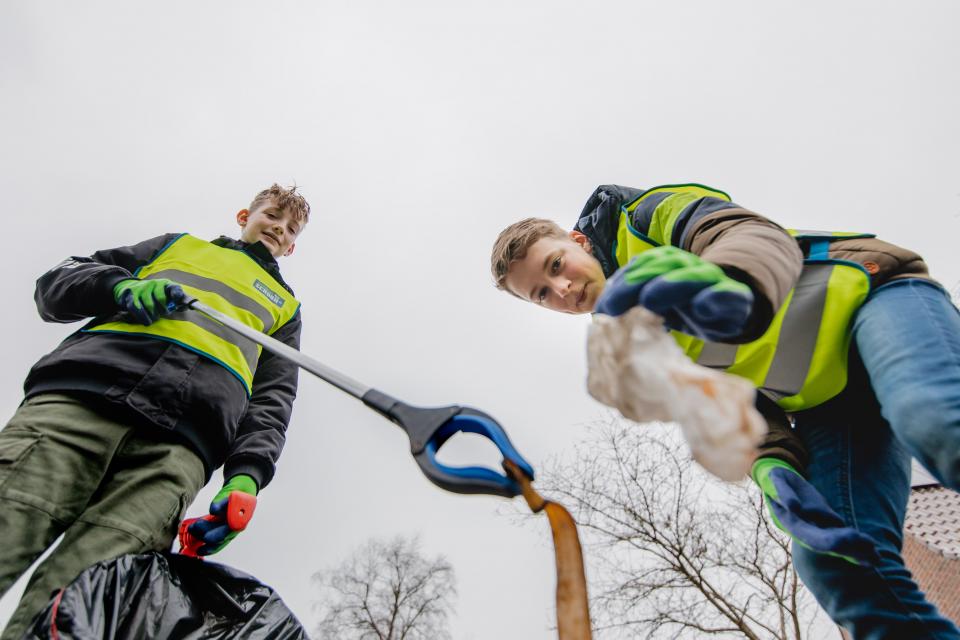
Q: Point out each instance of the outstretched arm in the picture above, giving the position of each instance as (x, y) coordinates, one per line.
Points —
(721, 273)
(753, 250)
(83, 287)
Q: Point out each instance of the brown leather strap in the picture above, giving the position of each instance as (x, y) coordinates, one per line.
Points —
(573, 611)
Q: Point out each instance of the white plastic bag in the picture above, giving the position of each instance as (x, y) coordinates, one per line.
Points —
(638, 369)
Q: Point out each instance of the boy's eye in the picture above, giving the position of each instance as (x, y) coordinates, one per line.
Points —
(555, 265)
(541, 295)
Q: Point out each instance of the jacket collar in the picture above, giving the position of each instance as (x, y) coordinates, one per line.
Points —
(600, 220)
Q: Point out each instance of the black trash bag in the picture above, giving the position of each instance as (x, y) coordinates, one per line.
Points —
(158, 595)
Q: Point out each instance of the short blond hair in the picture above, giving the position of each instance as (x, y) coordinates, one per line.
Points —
(513, 243)
(287, 199)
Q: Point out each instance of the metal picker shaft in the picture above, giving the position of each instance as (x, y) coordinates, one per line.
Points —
(428, 428)
(322, 371)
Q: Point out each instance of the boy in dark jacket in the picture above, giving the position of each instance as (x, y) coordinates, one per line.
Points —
(127, 419)
(846, 333)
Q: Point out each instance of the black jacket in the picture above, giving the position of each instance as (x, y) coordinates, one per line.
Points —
(166, 390)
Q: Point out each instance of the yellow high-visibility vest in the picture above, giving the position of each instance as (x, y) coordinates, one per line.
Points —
(801, 360)
(228, 280)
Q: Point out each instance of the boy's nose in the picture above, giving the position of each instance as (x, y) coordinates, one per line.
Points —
(561, 287)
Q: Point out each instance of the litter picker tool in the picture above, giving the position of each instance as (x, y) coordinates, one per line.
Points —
(428, 428)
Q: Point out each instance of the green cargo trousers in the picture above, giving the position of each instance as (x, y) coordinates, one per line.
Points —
(65, 469)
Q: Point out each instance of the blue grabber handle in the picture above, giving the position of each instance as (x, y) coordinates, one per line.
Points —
(429, 428)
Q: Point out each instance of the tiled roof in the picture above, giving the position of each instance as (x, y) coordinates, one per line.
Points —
(933, 517)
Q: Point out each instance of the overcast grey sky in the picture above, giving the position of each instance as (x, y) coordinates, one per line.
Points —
(418, 130)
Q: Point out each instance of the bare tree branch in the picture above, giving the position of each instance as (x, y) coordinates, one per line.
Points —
(672, 552)
(387, 590)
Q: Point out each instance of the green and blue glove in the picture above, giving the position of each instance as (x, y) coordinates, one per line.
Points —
(799, 510)
(148, 300)
(230, 513)
(691, 294)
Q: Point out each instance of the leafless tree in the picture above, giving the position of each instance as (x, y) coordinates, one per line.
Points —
(672, 552)
(387, 590)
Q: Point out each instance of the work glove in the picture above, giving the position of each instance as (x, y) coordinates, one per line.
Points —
(691, 295)
(799, 510)
(147, 300)
(230, 512)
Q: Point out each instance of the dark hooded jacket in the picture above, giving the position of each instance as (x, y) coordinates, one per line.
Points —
(169, 392)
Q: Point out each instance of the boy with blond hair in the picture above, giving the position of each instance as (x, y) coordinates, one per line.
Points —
(126, 420)
(844, 333)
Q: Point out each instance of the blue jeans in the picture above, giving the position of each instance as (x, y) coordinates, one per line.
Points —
(902, 399)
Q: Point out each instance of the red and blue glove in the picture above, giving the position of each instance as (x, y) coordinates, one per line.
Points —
(148, 300)
(692, 295)
(799, 510)
(230, 513)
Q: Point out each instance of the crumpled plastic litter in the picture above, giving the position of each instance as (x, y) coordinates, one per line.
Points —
(637, 368)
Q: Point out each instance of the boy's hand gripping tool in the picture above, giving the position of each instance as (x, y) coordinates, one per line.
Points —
(239, 511)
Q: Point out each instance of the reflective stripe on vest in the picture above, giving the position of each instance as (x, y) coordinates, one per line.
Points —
(808, 366)
(228, 280)
(631, 241)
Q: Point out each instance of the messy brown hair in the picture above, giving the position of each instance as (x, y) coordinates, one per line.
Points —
(287, 199)
(513, 243)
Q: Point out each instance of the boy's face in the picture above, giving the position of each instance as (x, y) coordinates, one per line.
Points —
(276, 228)
(558, 273)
